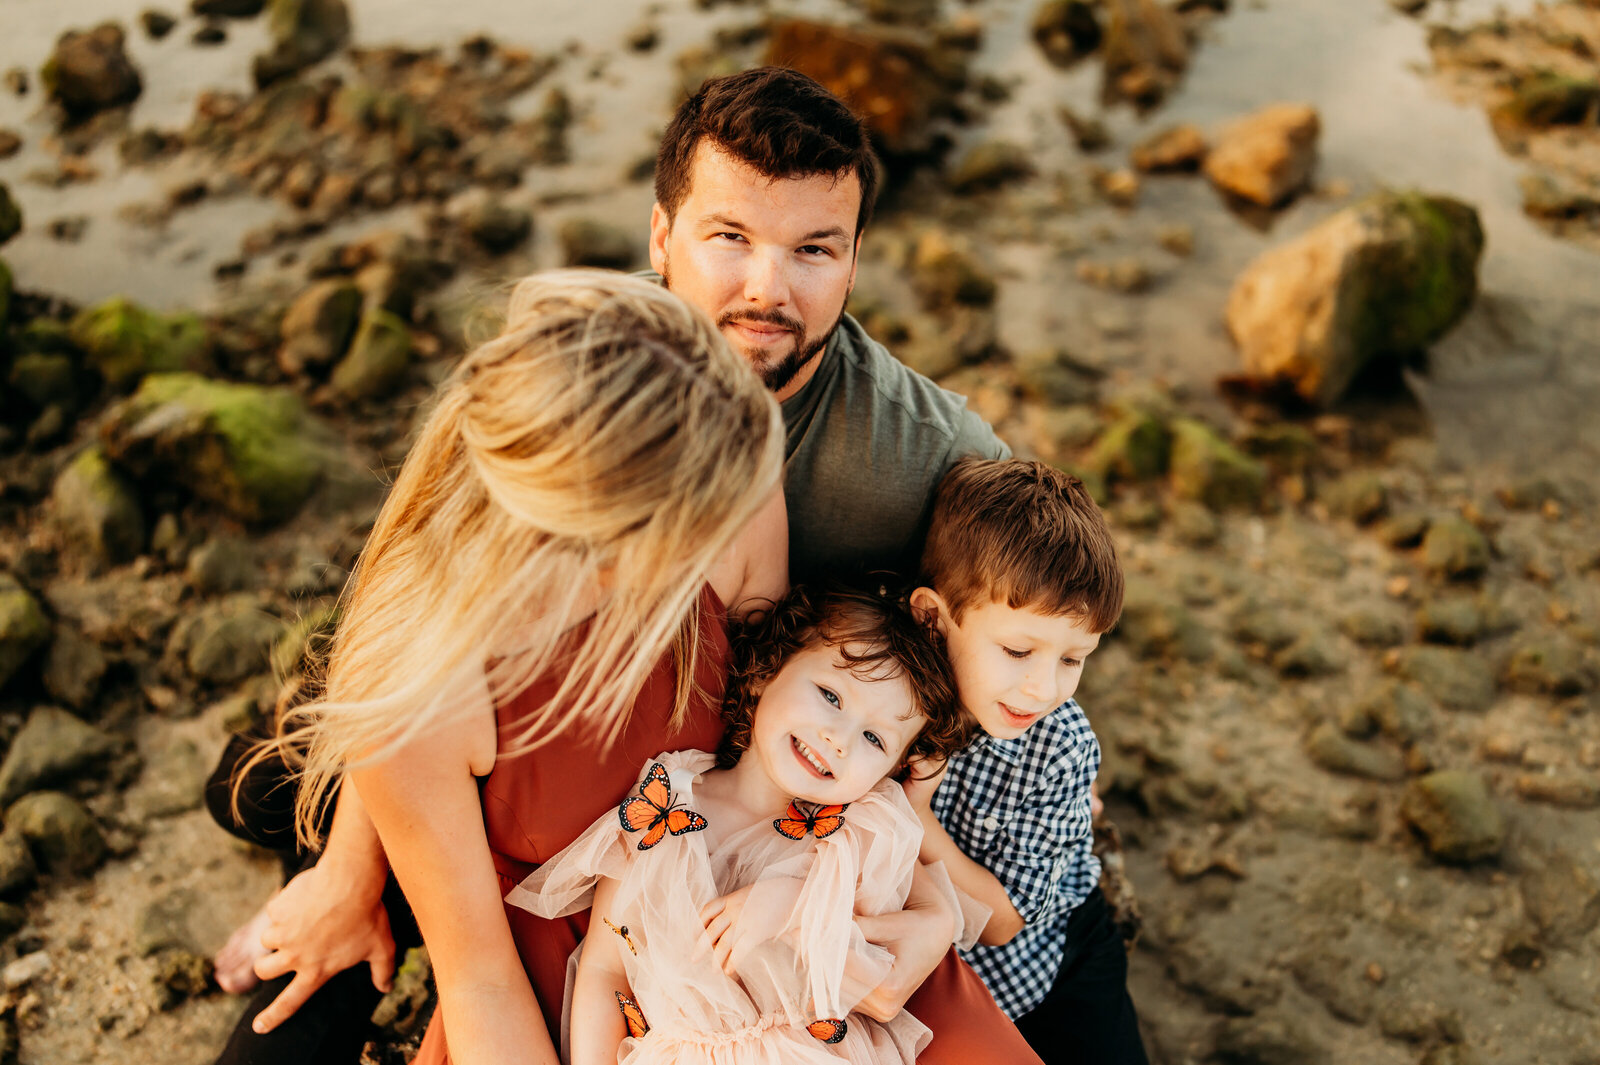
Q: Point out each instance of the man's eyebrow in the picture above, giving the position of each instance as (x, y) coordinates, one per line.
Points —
(722, 221)
(835, 232)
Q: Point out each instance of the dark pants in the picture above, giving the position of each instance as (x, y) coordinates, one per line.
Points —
(334, 1024)
(1087, 1018)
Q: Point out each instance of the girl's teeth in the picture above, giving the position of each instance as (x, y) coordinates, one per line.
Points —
(809, 757)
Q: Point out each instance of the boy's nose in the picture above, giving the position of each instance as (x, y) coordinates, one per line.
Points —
(1040, 686)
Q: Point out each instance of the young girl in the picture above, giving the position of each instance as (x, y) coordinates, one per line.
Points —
(724, 887)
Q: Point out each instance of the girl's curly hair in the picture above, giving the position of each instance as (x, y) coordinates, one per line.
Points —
(868, 630)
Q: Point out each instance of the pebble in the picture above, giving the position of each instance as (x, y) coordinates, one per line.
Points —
(25, 970)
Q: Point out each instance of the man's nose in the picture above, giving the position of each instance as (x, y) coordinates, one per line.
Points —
(766, 282)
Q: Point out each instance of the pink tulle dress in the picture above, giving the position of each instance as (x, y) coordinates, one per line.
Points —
(808, 892)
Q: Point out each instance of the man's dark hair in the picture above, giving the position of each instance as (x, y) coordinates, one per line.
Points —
(774, 119)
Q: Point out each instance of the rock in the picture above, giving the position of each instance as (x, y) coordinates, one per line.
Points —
(1455, 814)
(1454, 619)
(46, 378)
(163, 924)
(1373, 627)
(1381, 279)
(157, 24)
(1404, 530)
(303, 32)
(497, 227)
(73, 667)
(227, 641)
(62, 835)
(1088, 133)
(318, 326)
(1206, 468)
(23, 627)
(1549, 98)
(173, 783)
(98, 511)
(227, 8)
(53, 747)
(989, 165)
(1555, 789)
(1156, 625)
(89, 71)
(1176, 148)
(181, 975)
(25, 970)
(1555, 196)
(209, 33)
(1331, 749)
(1360, 496)
(1563, 899)
(17, 868)
(124, 341)
(1136, 447)
(1066, 30)
(12, 917)
(1053, 378)
(1194, 523)
(221, 564)
(591, 242)
(1127, 274)
(1266, 157)
(1458, 679)
(10, 225)
(377, 360)
(945, 272)
(1308, 656)
(1145, 51)
(404, 1006)
(1265, 1040)
(255, 452)
(1551, 663)
(1454, 548)
(10, 144)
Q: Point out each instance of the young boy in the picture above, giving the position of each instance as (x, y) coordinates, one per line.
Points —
(1020, 575)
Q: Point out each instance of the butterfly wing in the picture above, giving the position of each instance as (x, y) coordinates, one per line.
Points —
(829, 1030)
(683, 820)
(654, 833)
(827, 820)
(633, 1015)
(648, 809)
(656, 787)
(792, 824)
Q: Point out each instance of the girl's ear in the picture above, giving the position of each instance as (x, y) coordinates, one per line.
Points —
(928, 605)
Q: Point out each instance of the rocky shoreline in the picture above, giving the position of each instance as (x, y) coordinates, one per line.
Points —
(1350, 715)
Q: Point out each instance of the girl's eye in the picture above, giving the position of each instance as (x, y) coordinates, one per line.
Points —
(1015, 653)
(830, 695)
(872, 738)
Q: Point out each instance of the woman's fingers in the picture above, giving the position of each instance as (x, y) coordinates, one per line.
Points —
(288, 1001)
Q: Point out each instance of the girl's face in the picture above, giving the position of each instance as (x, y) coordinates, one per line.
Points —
(827, 735)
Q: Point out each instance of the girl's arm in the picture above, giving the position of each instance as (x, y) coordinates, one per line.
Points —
(597, 1024)
(424, 802)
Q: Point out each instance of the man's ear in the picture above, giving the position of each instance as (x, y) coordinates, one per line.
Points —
(929, 605)
(660, 229)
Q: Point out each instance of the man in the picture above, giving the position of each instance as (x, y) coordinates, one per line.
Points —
(764, 185)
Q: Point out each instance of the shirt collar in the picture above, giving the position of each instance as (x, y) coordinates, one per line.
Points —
(1010, 750)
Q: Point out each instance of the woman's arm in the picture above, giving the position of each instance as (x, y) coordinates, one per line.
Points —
(754, 573)
(597, 1024)
(424, 802)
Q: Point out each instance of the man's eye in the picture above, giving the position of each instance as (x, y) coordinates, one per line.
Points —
(730, 236)
(872, 738)
(815, 249)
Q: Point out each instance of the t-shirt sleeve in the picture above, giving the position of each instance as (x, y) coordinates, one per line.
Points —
(1040, 837)
(974, 437)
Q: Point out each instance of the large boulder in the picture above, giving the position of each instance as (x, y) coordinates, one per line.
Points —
(255, 452)
(303, 32)
(23, 626)
(98, 511)
(90, 71)
(125, 341)
(1266, 157)
(53, 746)
(1383, 278)
(10, 216)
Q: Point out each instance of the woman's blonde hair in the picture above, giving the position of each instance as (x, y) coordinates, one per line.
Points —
(557, 516)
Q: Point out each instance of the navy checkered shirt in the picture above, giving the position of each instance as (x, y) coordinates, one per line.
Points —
(1020, 809)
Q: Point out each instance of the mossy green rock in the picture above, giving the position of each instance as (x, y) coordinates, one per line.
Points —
(53, 746)
(10, 221)
(98, 511)
(1547, 98)
(1460, 680)
(61, 832)
(1400, 710)
(1373, 626)
(1382, 279)
(23, 626)
(1135, 447)
(46, 379)
(1455, 548)
(255, 452)
(1207, 468)
(1155, 624)
(1455, 814)
(377, 360)
(124, 341)
(310, 635)
(18, 870)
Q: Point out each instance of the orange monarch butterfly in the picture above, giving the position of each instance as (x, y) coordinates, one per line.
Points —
(821, 821)
(829, 1031)
(652, 812)
(623, 932)
(633, 1015)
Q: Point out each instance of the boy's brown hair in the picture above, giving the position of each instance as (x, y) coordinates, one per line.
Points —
(1025, 534)
(776, 120)
(875, 635)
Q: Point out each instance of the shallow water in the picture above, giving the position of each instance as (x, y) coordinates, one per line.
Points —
(1508, 385)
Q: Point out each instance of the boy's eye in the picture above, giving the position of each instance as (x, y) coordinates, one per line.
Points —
(829, 694)
(873, 738)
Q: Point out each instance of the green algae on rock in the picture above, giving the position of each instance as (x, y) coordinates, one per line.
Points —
(23, 626)
(98, 511)
(1207, 468)
(1381, 279)
(255, 452)
(125, 341)
(377, 359)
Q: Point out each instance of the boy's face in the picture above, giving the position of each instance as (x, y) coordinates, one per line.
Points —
(825, 733)
(1013, 665)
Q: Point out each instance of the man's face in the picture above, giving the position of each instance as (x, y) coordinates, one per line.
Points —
(770, 261)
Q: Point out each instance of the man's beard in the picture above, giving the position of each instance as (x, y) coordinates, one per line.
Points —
(775, 376)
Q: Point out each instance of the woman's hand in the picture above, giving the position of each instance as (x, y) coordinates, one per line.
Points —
(324, 921)
(742, 920)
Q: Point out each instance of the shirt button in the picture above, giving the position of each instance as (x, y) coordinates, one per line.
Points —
(991, 823)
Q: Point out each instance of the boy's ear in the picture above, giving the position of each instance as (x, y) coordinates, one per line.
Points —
(928, 605)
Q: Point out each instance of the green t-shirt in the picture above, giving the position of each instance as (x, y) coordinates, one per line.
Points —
(868, 441)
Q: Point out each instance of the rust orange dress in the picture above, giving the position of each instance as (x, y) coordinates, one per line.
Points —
(538, 802)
